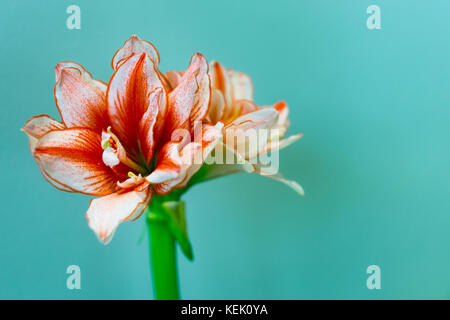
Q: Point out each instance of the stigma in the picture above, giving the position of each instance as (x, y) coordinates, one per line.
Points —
(109, 156)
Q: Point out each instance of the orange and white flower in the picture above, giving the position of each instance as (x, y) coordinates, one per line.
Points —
(116, 140)
(125, 140)
(232, 104)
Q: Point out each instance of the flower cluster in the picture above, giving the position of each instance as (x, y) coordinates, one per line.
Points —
(129, 139)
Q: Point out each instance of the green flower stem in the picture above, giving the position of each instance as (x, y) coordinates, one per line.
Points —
(162, 254)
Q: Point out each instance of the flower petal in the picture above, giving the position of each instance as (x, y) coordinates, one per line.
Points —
(217, 107)
(147, 134)
(189, 101)
(38, 126)
(221, 81)
(203, 96)
(132, 46)
(281, 144)
(168, 165)
(241, 84)
(53, 182)
(129, 99)
(173, 78)
(185, 163)
(181, 100)
(249, 133)
(185, 157)
(283, 121)
(240, 108)
(290, 183)
(73, 158)
(81, 100)
(210, 137)
(106, 213)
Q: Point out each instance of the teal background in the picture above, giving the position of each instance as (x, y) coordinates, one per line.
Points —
(374, 107)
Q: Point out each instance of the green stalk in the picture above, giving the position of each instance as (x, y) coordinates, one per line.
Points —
(162, 254)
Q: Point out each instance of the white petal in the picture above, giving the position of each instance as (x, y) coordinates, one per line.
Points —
(106, 213)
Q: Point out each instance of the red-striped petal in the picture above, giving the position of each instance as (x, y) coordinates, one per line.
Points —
(148, 134)
(130, 99)
(81, 100)
(189, 101)
(38, 126)
(132, 46)
(106, 213)
(189, 160)
(73, 159)
(168, 165)
(241, 84)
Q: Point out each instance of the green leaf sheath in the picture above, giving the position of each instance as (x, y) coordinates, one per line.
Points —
(177, 225)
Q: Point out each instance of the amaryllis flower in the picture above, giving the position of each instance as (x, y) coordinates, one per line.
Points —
(140, 141)
(128, 139)
(232, 104)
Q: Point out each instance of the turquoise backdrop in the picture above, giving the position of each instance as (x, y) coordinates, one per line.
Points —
(374, 107)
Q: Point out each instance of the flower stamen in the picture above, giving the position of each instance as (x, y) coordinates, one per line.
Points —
(114, 153)
(109, 156)
(132, 175)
